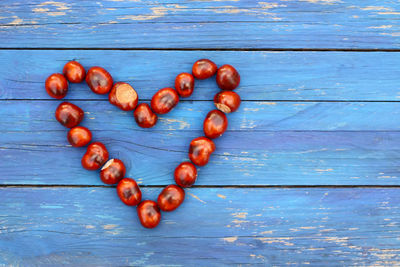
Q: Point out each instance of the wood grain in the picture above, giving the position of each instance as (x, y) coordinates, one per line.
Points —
(81, 226)
(311, 116)
(325, 76)
(267, 143)
(242, 24)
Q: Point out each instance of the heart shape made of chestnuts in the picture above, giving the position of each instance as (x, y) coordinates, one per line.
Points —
(125, 97)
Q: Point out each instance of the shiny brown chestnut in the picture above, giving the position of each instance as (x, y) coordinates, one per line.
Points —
(113, 171)
(203, 69)
(68, 114)
(227, 101)
(129, 192)
(96, 155)
(79, 136)
(170, 198)
(56, 86)
(123, 96)
(200, 150)
(215, 124)
(74, 72)
(164, 100)
(149, 214)
(184, 84)
(185, 174)
(144, 116)
(227, 77)
(99, 80)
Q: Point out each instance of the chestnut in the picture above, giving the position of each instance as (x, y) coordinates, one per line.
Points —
(164, 100)
(113, 171)
(74, 72)
(56, 86)
(123, 96)
(184, 84)
(79, 136)
(185, 174)
(227, 77)
(149, 214)
(170, 198)
(200, 150)
(215, 124)
(227, 101)
(96, 155)
(129, 192)
(69, 114)
(144, 116)
(203, 69)
(99, 80)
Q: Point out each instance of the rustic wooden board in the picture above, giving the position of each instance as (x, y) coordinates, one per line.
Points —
(344, 76)
(267, 143)
(213, 227)
(200, 24)
(311, 117)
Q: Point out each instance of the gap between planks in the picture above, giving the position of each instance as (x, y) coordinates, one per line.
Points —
(199, 186)
(205, 100)
(209, 49)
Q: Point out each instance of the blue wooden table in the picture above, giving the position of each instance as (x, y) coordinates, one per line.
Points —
(307, 174)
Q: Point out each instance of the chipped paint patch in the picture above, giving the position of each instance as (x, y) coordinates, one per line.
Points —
(89, 226)
(156, 12)
(376, 8)
(381, 27)
(230, 239)
(271, 240)
(266, 232)
(323, 2)
(109, 226)
(40, 10)
(241, 215)
(324, 170)
(268, 103)
(196, 197)
(221, 196)
(171, 122)
(58, 5)
(268, 5)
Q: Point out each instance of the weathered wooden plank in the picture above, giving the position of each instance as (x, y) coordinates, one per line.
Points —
(266, 143)
(328, 227)
(200, 24)
(265, 75)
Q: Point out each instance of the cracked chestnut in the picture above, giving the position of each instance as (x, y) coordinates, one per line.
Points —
(149, 214)
(56, 86)
(99, 80)
(68, 114)
(227, 101)
(79, 136)
(184, 84)
(185, 174)
(123, 96)
(129, 192)
(113, 171)
(170, 198)
(227, 77)
(74, 72)
(164, 100)
(204, 69)
(215, 124)
(200, 150)
(96, 155)
(144, 116)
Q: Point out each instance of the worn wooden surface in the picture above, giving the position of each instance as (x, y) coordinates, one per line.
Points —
(201, 24)
(317, 133)
(213, 227)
